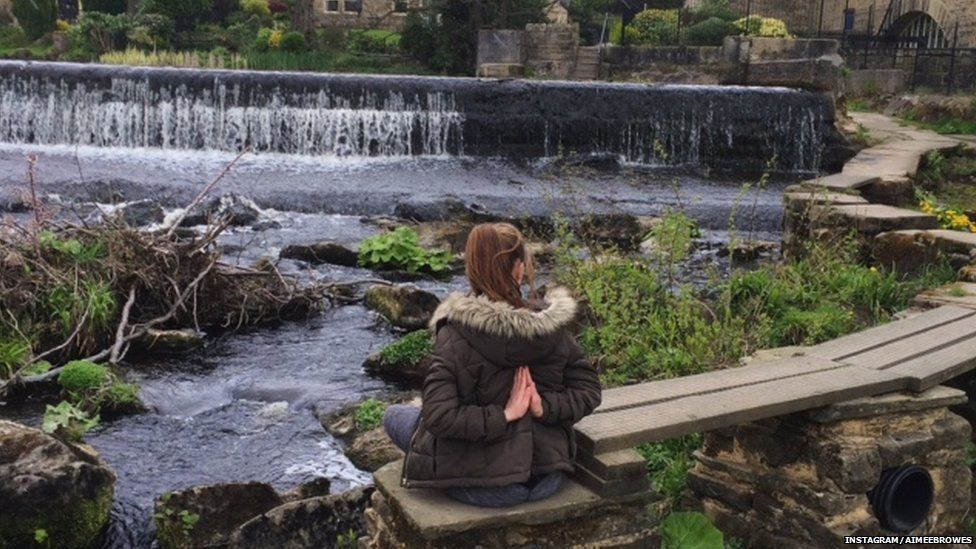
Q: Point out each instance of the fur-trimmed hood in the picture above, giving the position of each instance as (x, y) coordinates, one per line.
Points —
(501, 320)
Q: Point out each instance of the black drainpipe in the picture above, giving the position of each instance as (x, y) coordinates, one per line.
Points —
(903, 498)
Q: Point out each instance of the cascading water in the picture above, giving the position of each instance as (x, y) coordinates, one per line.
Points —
(733, 128)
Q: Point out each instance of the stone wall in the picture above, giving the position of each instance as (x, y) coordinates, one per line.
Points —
(685, 65)
(550, 49)
(803, 480)
(931, 71)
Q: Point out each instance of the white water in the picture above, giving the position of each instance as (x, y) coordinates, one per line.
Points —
(132, 115)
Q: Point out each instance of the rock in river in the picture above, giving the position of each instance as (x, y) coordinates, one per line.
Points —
(48, 485)
(326, 251)
(313, 522)
(405, 306)
(207, 516)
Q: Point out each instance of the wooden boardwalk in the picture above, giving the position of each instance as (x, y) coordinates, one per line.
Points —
(912, 354)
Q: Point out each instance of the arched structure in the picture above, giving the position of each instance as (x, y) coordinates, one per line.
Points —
(921, 26)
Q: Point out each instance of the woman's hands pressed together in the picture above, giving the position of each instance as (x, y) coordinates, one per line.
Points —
(524, 397)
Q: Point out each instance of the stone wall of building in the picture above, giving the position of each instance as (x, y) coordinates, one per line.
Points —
(551, 48)
(363, 14)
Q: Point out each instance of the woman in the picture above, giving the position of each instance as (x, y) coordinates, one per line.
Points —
(506, 384)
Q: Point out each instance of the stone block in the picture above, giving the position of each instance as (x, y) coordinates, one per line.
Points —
(936, 397)
(501, 70)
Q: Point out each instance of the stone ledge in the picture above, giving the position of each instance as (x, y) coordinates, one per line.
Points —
(962, 294)
(935, 397)
(433, 515)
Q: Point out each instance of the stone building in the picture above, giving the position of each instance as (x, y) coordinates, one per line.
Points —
(363, 14)
(933, 20)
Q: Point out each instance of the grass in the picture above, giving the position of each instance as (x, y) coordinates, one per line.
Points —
(14, 44)
(943, 125)
(331, 61)
(951, 178)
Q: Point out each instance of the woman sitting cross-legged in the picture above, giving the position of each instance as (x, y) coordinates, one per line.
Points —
(506, 384)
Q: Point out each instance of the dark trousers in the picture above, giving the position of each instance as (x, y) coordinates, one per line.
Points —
(400, 421)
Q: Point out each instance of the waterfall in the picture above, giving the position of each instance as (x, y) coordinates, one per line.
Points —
(352, 115)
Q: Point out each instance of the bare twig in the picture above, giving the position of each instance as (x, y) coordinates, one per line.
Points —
(120, 332)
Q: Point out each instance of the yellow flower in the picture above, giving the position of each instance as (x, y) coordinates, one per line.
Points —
(275, 40)
(874, 269)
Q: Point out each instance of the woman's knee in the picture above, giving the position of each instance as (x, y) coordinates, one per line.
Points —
(399, 422)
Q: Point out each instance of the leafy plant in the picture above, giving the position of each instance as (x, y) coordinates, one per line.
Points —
(36, 17)
(710, 32)
(67, 421)
(349, 540)
(410, 349)
(757, 25)
(185, 13)
(690, 531)
(668, 463)
(113, 7)
(256, 7)
(82, 375)
(13, 354)
(401, 249)
(656, 27)
(293, 41)
(41, 537)
(949, 218)
(369, 414)
(72, 247)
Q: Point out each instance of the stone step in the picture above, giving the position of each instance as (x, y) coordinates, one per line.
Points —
(874, 218)
(842, 181)
(960, 294)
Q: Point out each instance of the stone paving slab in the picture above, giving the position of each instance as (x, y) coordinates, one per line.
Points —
(936, 397)
(842, 181)
(962, 294)
(875, 218)
(823, 197)
(432, 514)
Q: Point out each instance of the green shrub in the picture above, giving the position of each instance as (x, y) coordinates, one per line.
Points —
(120, 396)
(374, 41)
(668, 463)
(410, 349)
(293, 42)
(185, 13)
(263, 39)
(113, 7)
(401, 249)
(82, 375)
(717, 9)
(68, 422)
(369, 415)
(256, 7)
(690, 530)
(710, 32)
(656, 27)
(36, 17)
(12, 356)
(757, 25)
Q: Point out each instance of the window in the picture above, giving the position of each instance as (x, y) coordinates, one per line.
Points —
(400, 6)
(353, 6)
(332, 5)
(848, 20)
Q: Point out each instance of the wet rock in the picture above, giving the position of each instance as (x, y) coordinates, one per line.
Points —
(451, 208)
(604, 162)
(169, 341)
(372, 449)
(624, 231)
(66, 490)
(13, 205)
(141, 213)
(312, 489)
(326, 251)
(266, 225)
(405, 306)
(207, 516)
(313, 522)
(447, 235)
(236, 210)
(745, 252)
(400, 276)
(411, 372)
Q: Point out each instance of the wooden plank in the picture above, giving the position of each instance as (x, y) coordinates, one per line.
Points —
(929, 370)
(662, 391)
(917, 345)
(614, 465)
(629, 427)
(872, 338)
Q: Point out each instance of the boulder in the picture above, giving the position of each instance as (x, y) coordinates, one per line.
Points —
(141, 213)
(904, 251)
(313, 522)
(447, 235)
(450, 208)
(604, 162)
(326, 251)
(207, 516)
(372, 449)
(237, 210)
(624, 231)
(405, 306)
(314, 488)
(266, 225)
(46, 484)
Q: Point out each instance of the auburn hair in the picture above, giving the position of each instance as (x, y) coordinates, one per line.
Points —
(490, 258)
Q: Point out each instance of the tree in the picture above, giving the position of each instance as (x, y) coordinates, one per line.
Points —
(185, 13)
(36, 17)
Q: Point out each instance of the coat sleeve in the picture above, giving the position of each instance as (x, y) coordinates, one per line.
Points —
(582, 393)
(443, 413)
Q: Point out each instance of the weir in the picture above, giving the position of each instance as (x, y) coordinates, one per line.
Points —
(740, 128)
